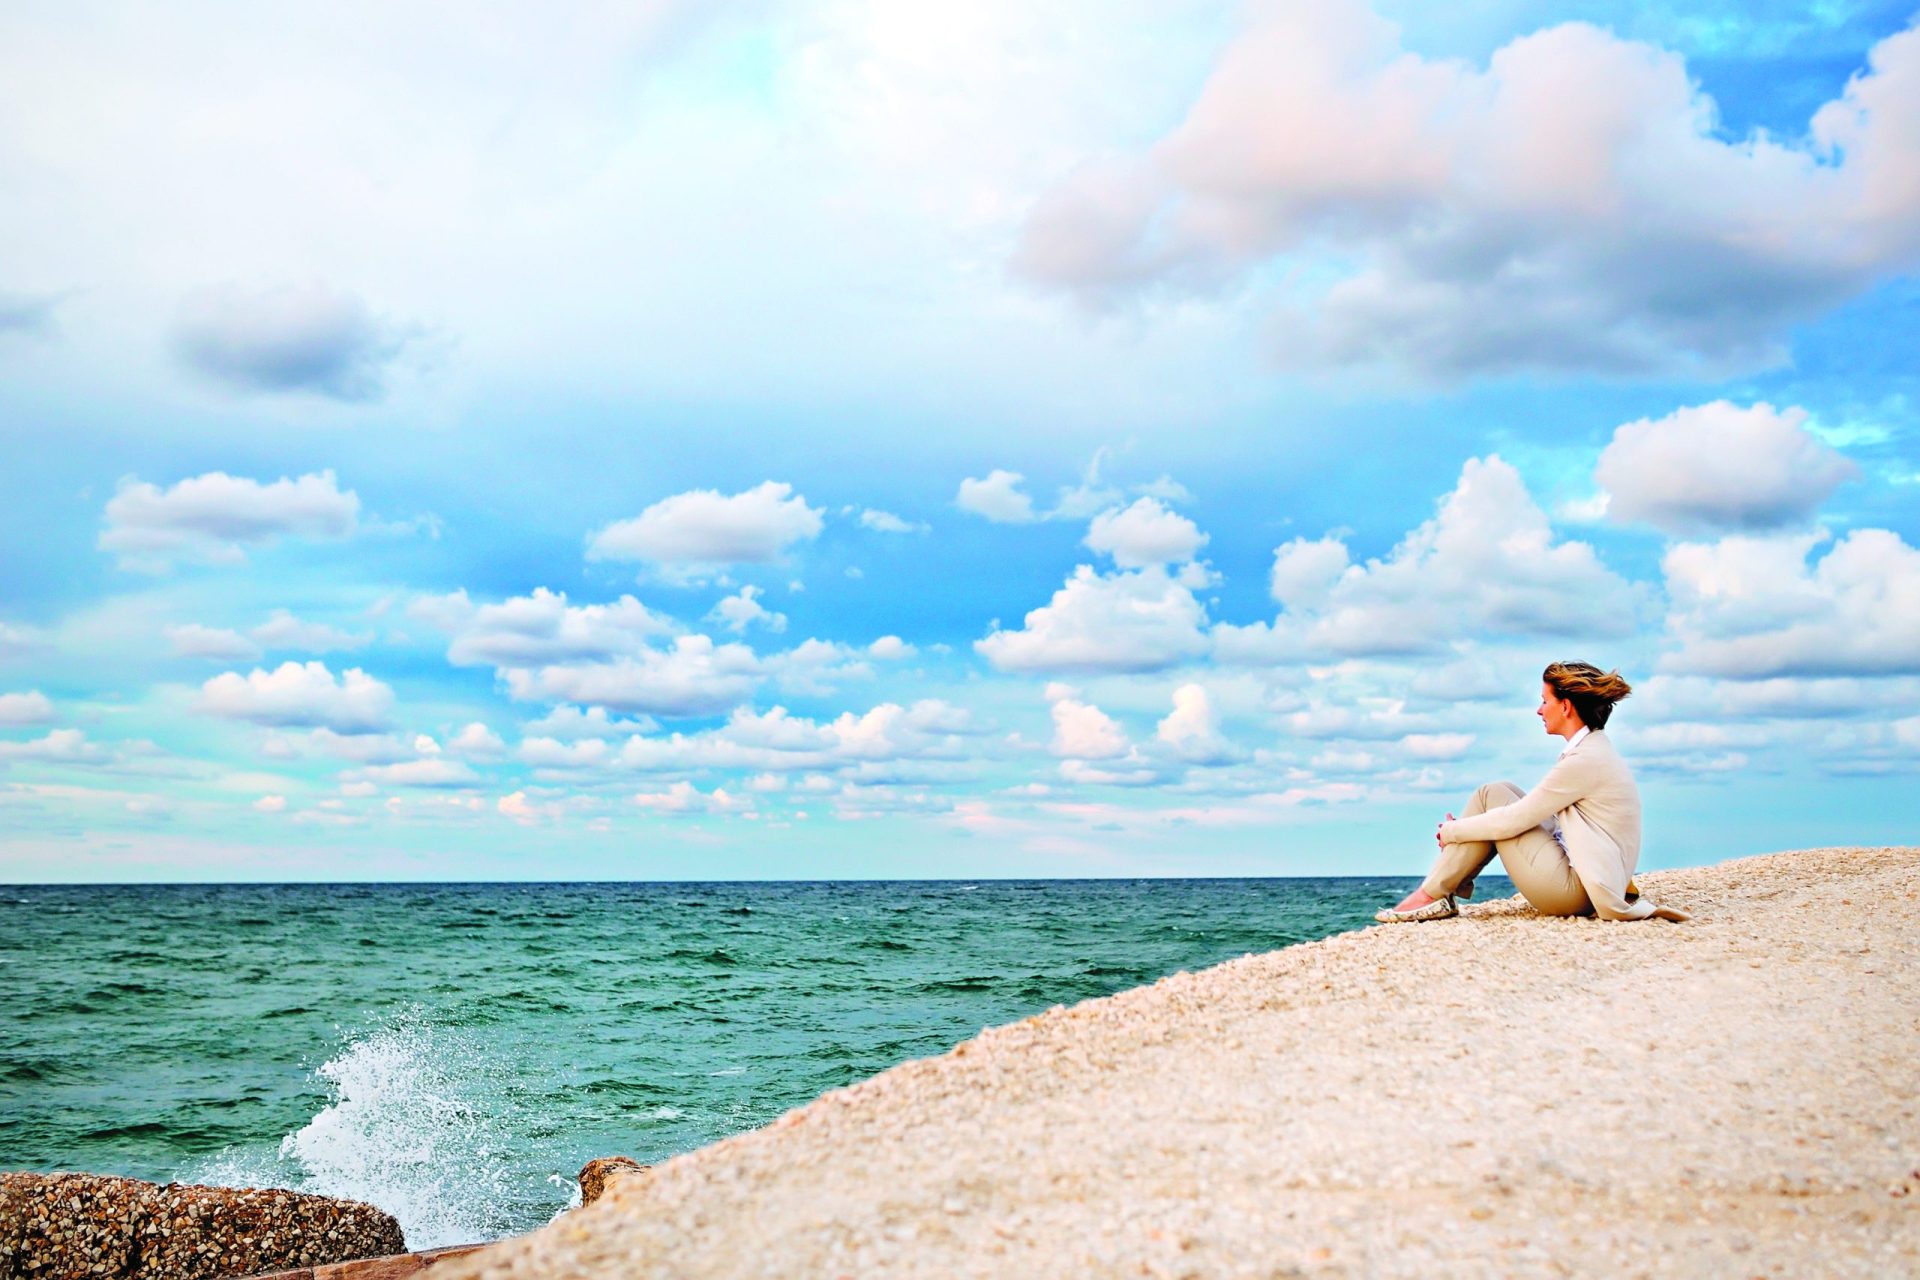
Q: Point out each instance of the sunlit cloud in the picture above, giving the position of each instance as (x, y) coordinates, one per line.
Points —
(1572, 206)
(215, 516)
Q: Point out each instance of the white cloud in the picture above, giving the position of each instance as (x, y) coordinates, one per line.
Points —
(429, 771)
(1144, 534)
(1131, 770)
(363, 748)
(1692, 736)
(59, 746)
(1682, 697)
(887, 522)
(892, 732)
(528, 807)
(540, 628)
(694, 678)
(779, 742)
(271, 804)
(1752, 607)
(1437, 746)
(774, 730)
(602, 656)
(1476, 676)
(195, 641)
(684, 798)
(1304, 571)
(567, 723)
(1374, 719)
(15, 641)
(212, 516)
(1081, 731)
(1091, 496)
(998, 497)
(1347, 762)
(698, 532)
(32, 707)
(284, 631)
(1574, 205)
(891, 649)
(300, 695)
(1487, 563)
(448, 612)
(477, 742)
(1719, 466)
(1165, 488)
(743, 609)
(1140, 620)
(816, 667)
(289, 338)
(1001, 498)
(1192, 729)
(551, 753)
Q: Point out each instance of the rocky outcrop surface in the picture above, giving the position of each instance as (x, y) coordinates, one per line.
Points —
(597, 1175)
(1501, 1094)
(65, 1226)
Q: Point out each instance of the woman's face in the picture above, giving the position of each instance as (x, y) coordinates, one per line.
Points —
(1556, 712)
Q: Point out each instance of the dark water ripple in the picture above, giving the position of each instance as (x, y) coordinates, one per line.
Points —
(452, 1052)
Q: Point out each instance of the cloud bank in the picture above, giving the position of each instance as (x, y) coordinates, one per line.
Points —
(1571, 207)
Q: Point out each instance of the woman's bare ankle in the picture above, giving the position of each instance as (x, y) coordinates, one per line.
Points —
(1415, 900)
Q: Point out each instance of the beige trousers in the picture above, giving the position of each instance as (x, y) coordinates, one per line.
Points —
(1534, 859)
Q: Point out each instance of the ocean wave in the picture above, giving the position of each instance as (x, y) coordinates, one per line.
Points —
(412, 1126)
(566, 1028)
(408, 1130)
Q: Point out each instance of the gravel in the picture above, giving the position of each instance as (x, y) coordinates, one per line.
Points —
(65, 1226)
(1502, 1093)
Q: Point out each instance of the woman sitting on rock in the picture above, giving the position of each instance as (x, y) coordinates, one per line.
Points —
(1571, 843)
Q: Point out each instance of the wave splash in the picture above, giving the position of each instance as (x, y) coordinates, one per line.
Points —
(412, 1127)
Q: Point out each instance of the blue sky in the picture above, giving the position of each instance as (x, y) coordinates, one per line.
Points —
(855, 439)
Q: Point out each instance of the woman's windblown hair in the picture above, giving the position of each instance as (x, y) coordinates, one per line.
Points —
(1591, 690)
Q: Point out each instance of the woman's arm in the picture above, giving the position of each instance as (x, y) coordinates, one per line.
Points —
(1568, 781)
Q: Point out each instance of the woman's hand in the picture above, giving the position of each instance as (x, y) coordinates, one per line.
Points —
(1436, 831)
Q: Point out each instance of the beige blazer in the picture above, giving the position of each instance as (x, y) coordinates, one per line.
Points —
(1589, 797)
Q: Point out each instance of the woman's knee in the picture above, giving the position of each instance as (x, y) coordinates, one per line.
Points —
(1492, 795)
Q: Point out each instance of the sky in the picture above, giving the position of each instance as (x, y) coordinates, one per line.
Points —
(840, 438)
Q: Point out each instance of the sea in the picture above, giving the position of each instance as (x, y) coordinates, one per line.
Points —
(453, 1053)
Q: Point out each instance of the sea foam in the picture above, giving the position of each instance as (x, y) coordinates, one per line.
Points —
(412, 1127)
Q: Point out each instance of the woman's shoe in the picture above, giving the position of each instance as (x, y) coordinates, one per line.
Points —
(1442, 909)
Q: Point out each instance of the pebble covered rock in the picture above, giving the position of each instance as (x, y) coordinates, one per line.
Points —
(1499, 1094)
(65, 1226)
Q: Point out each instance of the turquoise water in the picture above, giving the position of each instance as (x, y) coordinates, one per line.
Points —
(455, 1053)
